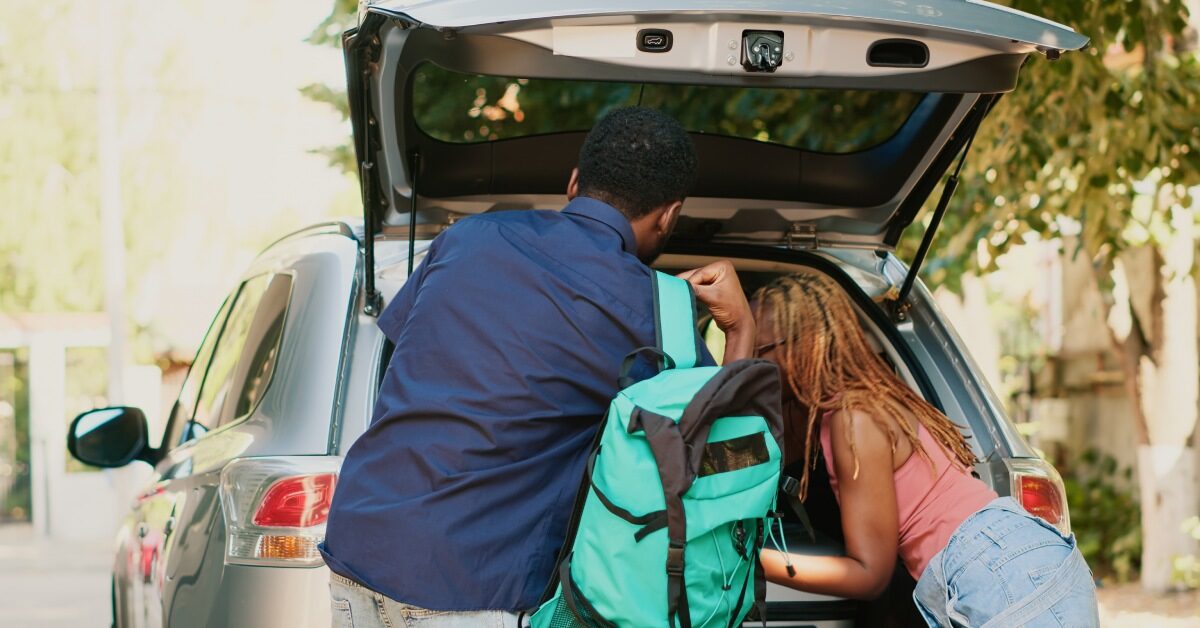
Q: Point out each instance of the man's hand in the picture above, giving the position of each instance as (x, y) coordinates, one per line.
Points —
(717, 286)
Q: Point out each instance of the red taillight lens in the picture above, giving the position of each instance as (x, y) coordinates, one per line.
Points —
(1040, 496)
(297, 502)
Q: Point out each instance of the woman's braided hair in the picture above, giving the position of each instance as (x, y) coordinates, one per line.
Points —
(829, 366)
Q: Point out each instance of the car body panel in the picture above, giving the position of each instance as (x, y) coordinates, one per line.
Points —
(970, 17)
(173, 543)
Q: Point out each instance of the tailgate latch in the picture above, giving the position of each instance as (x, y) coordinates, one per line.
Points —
(762, 51)
(803, 236)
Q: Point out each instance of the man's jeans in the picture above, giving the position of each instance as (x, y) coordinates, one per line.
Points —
(355, 606)
(1004, 567)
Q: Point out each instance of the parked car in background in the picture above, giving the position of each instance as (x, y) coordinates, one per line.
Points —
(820, 134)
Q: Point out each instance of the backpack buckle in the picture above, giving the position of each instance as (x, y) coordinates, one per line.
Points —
(675, 560)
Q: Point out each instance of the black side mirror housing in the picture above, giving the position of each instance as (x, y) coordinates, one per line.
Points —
(111, 437)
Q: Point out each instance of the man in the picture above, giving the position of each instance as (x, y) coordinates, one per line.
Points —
(452, 506)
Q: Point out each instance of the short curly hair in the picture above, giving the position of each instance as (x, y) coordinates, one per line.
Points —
(637, 159)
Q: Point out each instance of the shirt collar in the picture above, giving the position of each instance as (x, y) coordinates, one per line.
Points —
(607, 215)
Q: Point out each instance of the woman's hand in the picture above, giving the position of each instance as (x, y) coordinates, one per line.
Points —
(717, 286)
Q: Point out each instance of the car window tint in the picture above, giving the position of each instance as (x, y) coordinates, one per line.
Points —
(185, 406)
(260, 351)
(219, 380)
(467, 108)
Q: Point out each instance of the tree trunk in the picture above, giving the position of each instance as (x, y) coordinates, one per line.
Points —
(1158, 342)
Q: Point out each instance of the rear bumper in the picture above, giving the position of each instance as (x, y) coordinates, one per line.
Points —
(272, 597)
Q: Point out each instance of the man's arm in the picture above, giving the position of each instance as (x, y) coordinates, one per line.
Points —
(718, 287)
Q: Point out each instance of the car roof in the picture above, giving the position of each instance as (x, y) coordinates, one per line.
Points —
(974, 17)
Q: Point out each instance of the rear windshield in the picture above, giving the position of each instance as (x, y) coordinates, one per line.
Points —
(469, 108)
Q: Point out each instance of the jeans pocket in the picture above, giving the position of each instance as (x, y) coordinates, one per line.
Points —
(418, 613)
(415, 616)
(1042, 574)
(342, 616)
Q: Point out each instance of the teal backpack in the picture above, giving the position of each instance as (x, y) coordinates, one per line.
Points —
(674, 505)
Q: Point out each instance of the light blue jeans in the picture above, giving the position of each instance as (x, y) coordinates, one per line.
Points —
(1005, 568)
(356, 606)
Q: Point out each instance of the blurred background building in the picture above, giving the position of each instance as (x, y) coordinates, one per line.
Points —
(183, 125)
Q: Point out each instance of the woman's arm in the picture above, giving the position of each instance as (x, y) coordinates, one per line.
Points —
(870, 521)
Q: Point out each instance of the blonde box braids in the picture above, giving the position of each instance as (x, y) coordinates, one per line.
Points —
(828, 365)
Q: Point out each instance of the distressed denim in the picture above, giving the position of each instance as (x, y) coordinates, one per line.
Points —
(1005, 567)
(356, 606)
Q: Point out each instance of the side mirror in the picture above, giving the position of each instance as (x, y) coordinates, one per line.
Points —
(110, 437)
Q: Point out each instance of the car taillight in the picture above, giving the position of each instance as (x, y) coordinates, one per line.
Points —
(1040, 497)
(297, 502)
(1037, 486)
(276, 509)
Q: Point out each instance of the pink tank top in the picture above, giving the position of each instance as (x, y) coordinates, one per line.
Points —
(931, 505)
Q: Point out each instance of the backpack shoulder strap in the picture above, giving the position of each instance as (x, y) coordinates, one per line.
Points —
(675, 319)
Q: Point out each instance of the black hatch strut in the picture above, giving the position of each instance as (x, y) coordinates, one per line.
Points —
(900, 304)
(412, 211)
(362, 49)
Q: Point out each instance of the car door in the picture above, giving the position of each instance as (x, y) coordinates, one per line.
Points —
(141, 549)
(241, 370)
(180, 519)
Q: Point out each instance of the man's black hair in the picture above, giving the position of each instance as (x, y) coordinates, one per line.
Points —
(637, 159)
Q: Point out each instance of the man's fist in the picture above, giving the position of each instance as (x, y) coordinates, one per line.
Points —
(718, 287)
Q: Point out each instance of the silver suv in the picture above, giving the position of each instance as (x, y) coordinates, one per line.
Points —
(820, 133)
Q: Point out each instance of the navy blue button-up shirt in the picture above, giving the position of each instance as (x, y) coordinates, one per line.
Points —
(508, 343)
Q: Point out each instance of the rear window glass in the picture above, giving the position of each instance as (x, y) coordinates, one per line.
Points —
(469, 108)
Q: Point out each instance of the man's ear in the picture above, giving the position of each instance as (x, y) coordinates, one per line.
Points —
(666, 220)
(573, 185)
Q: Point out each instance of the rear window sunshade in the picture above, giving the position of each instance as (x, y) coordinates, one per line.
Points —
(734, 454)
(465, 108)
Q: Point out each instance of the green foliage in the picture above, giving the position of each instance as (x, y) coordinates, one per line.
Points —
(341, 17)
(47, 188)
(1186, 569)
(458, 107)
(16, 502)
(1105, 516)
(1078, 140)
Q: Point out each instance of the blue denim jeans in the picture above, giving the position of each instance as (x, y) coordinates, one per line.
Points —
(356, 606)
(1005, 567)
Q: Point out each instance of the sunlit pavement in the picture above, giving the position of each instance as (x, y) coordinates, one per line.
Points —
(45, 584)
(52, 584)
(1127, 606)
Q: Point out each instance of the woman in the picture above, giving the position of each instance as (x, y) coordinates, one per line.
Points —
(901, 473)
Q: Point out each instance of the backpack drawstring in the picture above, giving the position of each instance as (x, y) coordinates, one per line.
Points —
(726, 579)
(787, 556)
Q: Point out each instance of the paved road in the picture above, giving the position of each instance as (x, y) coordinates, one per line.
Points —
(45, 584)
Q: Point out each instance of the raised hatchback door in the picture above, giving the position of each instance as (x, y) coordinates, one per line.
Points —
(862, 105)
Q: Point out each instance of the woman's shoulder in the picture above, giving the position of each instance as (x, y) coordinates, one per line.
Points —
(857, 414)
(857, 425)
